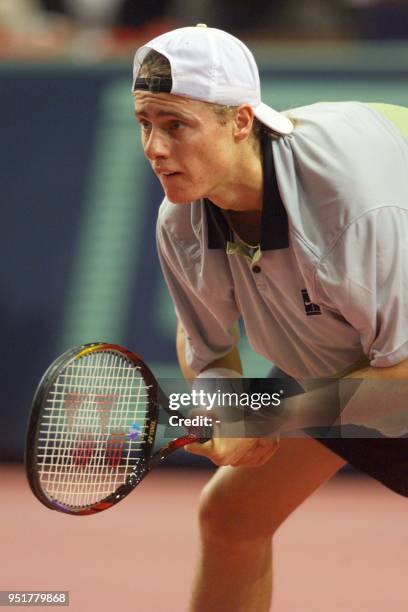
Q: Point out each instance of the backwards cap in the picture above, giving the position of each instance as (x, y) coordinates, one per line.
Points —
(210, 65)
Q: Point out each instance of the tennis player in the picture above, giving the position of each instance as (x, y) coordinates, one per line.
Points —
(296, 223)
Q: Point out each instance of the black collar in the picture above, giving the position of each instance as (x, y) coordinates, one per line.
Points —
(274, 231)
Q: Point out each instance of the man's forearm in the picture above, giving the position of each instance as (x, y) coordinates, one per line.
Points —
(376, 398)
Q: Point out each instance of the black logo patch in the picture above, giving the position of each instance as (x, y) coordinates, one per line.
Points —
(310, 308)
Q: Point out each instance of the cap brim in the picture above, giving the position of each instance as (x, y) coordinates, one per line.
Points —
(272, 119)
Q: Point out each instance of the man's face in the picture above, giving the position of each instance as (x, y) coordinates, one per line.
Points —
(189, 150)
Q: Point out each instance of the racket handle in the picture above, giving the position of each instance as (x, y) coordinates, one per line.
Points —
(180, 442)
(173, 446)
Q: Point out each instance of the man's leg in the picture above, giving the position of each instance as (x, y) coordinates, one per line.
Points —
(241, 508)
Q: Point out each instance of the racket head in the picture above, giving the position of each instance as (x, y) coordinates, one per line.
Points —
(92, 428)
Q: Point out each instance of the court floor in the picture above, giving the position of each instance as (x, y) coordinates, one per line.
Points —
(344, 550)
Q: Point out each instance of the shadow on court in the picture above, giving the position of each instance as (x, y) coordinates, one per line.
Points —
(345, 549)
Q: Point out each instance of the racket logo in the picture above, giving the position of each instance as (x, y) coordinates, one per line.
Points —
(103, 406)
(105, 403)
(152, 431)
(114, 449)
(83, 450)
(72, 403)
(135, 432)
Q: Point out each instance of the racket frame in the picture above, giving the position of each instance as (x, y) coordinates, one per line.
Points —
(41, 393)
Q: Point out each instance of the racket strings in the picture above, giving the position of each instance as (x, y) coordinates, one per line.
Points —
(93, 429)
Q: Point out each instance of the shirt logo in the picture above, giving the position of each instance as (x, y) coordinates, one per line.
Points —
(310, 308)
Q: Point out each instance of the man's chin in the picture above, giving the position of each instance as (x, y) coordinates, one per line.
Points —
(179, 197)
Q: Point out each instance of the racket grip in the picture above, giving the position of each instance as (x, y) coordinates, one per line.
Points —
(192, 437)
(173, 446)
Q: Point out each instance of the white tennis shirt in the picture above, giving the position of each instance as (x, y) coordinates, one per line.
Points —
(330, 282)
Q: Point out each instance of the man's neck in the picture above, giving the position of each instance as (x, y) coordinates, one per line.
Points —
(242, 192)
(246, 224)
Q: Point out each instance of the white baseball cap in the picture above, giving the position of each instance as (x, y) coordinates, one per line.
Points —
(210, 65)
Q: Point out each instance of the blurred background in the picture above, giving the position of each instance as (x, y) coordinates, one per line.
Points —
(79, 264)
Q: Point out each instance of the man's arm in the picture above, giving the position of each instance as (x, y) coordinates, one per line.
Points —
(375, 398)
(231, 360)
(398, 371)
(381, 399)
(381, 405)
(243, 452)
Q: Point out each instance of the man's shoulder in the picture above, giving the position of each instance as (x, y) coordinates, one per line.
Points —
(336, 167)
(324, 113)
(354, 127)
(181, 221)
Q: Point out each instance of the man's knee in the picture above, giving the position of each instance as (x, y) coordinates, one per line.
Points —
(229, 517)
(242, 504)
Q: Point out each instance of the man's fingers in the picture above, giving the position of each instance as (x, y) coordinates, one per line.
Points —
(196, 448)
(238, 453)
(263, 455)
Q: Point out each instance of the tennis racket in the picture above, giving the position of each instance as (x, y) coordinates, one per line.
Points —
(91, 434)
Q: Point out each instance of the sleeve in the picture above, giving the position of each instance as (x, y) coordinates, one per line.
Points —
(201, 288)
(364, 277)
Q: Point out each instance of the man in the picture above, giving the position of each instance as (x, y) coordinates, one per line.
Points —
(297, 224)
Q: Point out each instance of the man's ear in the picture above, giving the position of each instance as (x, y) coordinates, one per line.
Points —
(243, 120)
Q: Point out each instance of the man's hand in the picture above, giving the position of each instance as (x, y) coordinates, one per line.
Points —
(227, 445)
(238, 452)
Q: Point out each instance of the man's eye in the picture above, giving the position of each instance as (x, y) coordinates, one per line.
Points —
(176, 125)
(144, 126)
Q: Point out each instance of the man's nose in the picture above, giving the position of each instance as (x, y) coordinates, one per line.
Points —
(156, 145)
